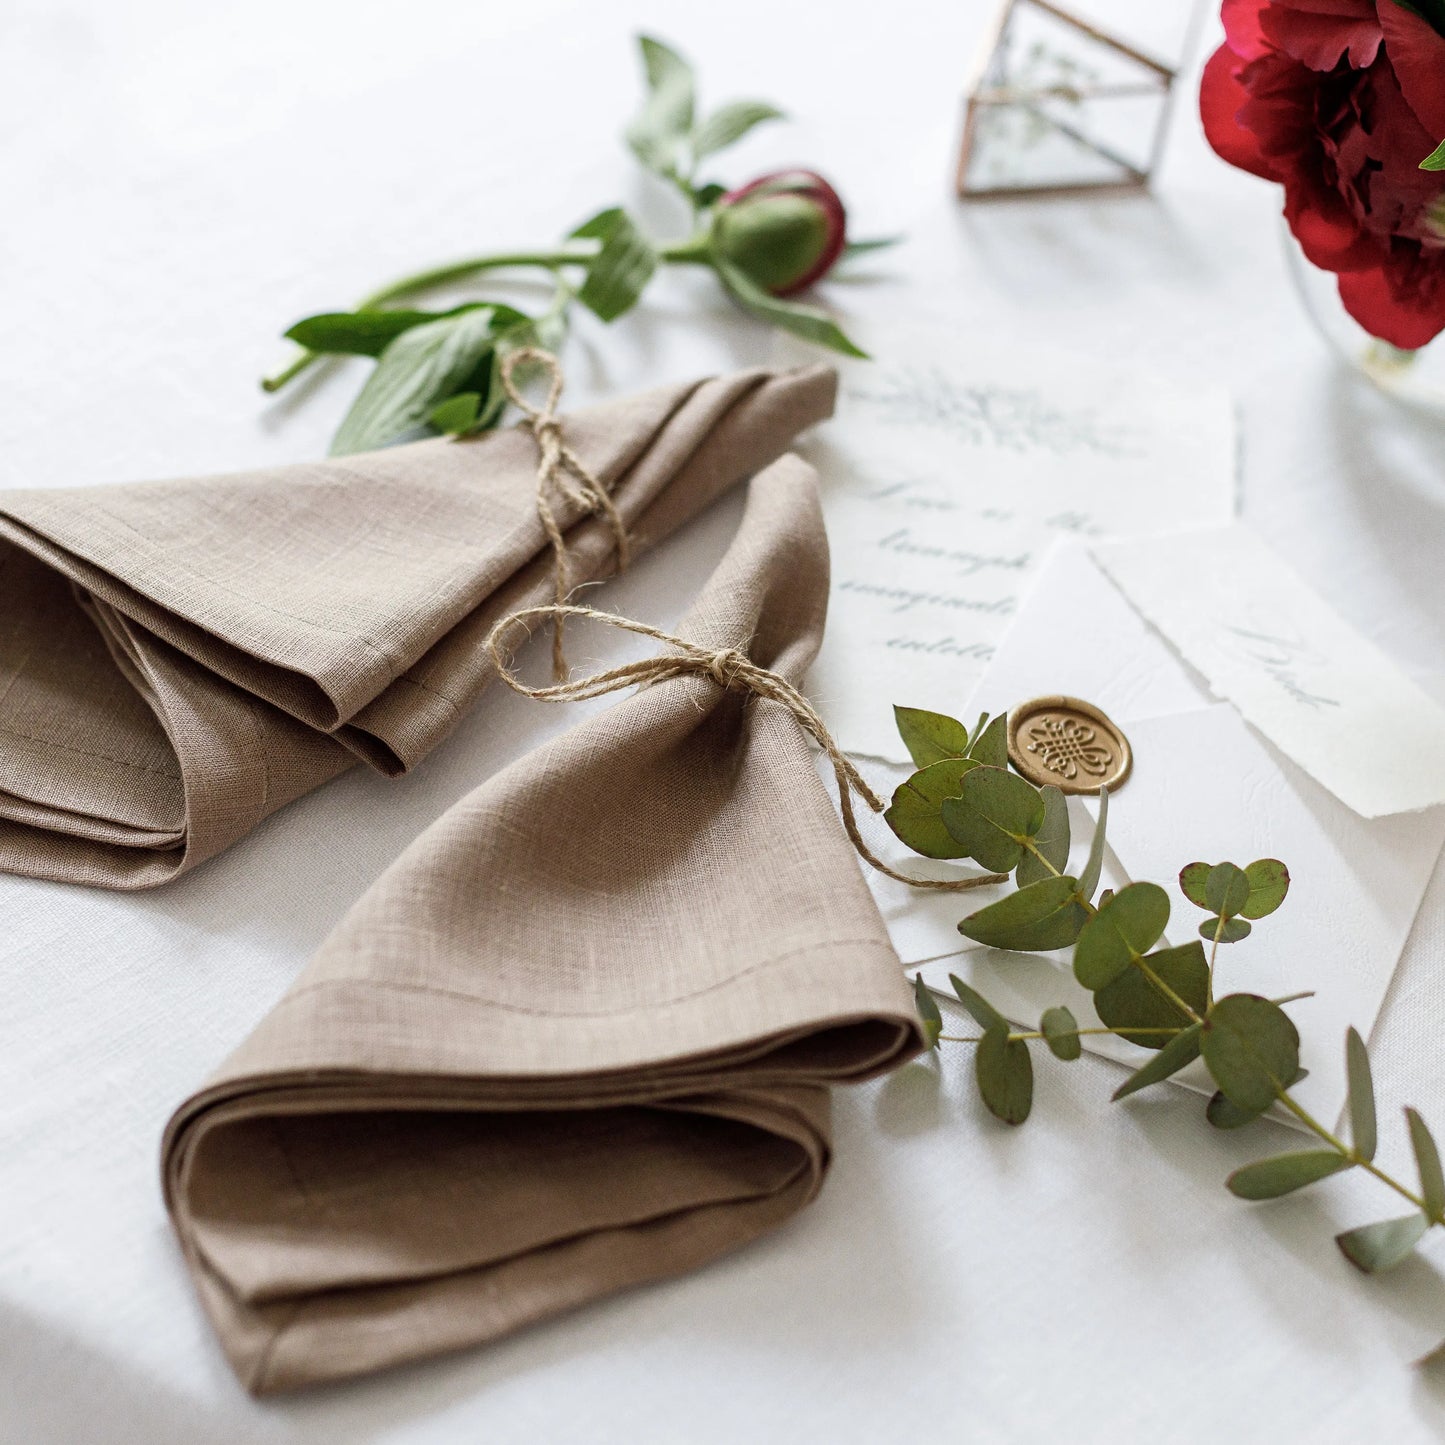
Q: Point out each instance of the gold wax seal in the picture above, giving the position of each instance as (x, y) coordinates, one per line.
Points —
(1069, 743)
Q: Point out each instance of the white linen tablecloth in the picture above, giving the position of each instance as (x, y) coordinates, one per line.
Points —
(180, 182)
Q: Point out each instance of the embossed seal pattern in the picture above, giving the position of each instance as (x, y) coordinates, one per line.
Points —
(1069, 743)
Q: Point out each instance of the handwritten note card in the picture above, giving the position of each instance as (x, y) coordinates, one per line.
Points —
(953, 466)
(1316, 688)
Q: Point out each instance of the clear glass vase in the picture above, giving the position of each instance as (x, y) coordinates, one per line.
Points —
(1415, 378)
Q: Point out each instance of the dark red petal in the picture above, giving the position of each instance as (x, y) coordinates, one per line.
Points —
(1326, 230)
(1406, 323)
(1417, 54)
(1221, 98)
(1320, 40)
(1241, 27)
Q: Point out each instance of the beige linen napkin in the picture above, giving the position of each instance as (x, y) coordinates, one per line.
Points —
(577, 1037)
(180, 659)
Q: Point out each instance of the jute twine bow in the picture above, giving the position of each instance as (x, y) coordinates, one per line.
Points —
(729, 668)
(560, 469)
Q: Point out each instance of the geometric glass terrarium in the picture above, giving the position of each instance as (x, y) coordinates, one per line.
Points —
(1058, 104)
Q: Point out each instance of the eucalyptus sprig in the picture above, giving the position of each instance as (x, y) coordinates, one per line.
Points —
(964, 802)
(439, 371)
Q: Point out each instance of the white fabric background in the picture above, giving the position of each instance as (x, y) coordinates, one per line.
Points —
(180, 181)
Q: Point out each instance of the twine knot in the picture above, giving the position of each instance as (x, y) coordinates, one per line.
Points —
(561, 470)
(728, 667)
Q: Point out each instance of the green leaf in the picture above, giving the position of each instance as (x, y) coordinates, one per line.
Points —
(990, 747)
(1192, 880)
(1283, 1174)
(622, 267)
(930, 736)
(1061, 1032)
(1052, 840)
(1224, 1115)
(1094, 866)
(361, 333)
(1251, 1049)
(1231, 930)
(1427, 1158)
(810, 322)
(729, 124)
(1122, 931)
(1374, 1248)
(457, 415)
(1362, 1096)
(1435, 161)
(708, 195)
(872, 243)
(1178, 1053)
(1005, 1075)
(665, 121)
(1132, 1002)
(995, 811)
(928, 1011)
(1268, 884)
(1226, 890)
(983, 1013)
(1043, 916)
(914, 813)
(418, 370)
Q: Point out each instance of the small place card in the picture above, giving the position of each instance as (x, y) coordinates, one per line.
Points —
(1317, 689)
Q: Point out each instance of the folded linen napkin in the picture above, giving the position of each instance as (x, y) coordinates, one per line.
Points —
(180, 659)
(577, 1037)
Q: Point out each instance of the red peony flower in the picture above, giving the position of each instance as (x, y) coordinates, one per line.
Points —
(1339, 101)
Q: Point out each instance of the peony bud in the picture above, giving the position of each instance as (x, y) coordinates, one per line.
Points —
(784, 230)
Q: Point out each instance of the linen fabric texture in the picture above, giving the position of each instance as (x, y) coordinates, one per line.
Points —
(180, 659)
(577, 1037)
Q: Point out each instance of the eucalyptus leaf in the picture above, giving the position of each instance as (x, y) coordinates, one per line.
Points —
(990, 747)
(983, 1013)
(1224, 1115)
(1178, 1053)
(1193, 878)
(1375, 1248)
(658, 133)
(1061, 1032)
(417, 371)
(1284, 1173)
(996, 810)
(1036, 919)
(1052, 841)
(1268, 884)
(1094, 866)
(1123, 930)
(729, 123)
(914, 814)
(1363, 1126)
(1224, 930)
(1427, 1158)
(1251, 1049)
(1226, 890)
(930, 736)
(928, 1011)
(809, 322)
(624, 264)
(1131, 1001)
(1005, 1075)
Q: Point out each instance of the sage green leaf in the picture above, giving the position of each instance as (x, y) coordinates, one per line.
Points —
(1374, 1248)
(665, 121)
(978, 728)
(983, 1013)
(996, 810)
(991, 745)
(930, 736)
(622, 267)
(1283, 1174)
(810, 322)
(1224, 1115)
(457, 415)
(417, 371)
(1044, 916)
(1226, 890)
(1123, 930)
(1131, 1001)
(1363, 1130)
(1268, 884)
(1052, 840)
(361, 333)
(1435, 161)
(1228, 930)
(1427, 1158)
(1094, 865)
(1251, 1049)
(1105, 896)
(1192, 880)
(1061, 1032)
(1005, 1074)
(928, 1011)
(729, 123)
(1178, 1053)
(914, 814)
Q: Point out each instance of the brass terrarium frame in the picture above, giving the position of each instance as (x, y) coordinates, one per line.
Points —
(985, 94)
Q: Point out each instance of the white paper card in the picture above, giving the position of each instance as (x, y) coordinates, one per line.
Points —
(1308, 681)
